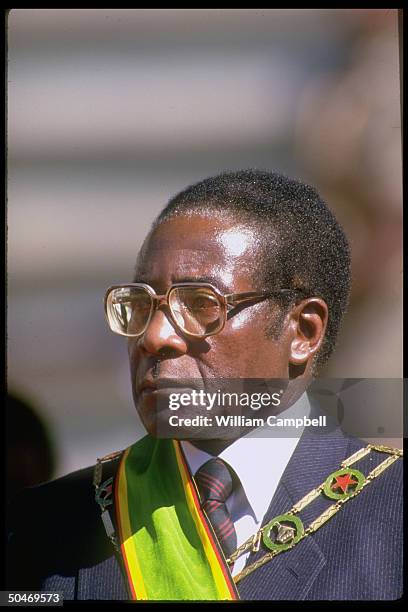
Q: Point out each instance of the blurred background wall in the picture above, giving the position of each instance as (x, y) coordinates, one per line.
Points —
(110, 112)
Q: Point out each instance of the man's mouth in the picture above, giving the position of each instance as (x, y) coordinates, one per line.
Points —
(166, 385)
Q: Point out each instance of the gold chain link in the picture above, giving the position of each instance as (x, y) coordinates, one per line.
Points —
(325, 516)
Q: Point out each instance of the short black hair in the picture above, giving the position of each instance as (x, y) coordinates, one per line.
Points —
(302, 243)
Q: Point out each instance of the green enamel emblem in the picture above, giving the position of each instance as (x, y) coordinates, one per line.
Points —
(103, 493)
(282, 532)
(343, 483)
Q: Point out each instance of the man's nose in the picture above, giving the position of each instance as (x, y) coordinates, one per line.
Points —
(161, 339)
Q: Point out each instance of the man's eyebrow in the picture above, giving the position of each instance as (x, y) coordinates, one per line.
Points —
(218, 283)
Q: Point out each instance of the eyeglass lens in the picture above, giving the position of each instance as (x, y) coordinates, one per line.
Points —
(196, 310)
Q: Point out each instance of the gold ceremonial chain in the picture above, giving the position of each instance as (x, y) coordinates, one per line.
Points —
(104, 496)
(279, 536)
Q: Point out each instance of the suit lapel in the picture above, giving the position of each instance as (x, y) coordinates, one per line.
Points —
(291, 574)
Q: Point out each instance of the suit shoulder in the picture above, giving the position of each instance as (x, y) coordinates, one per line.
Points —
(57, 527)
(70, 491)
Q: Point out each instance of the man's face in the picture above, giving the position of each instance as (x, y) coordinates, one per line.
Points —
(223, 253)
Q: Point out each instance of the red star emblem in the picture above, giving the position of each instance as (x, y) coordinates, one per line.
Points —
(342, 482)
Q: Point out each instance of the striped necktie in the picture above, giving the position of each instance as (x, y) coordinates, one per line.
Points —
(214, 483)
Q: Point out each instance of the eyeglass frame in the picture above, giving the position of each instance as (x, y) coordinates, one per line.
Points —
(229, 299)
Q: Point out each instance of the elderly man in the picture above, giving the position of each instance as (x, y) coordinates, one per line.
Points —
(243, 276)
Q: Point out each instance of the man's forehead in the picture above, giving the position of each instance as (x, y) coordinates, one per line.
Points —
(197, 247)
(156, 256)
(182, 265)
(224, 238)
(203, 232)
(187, 267)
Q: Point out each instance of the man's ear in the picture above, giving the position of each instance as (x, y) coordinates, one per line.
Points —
(308, 323)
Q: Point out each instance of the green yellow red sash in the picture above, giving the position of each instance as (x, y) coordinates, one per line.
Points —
(169, 549)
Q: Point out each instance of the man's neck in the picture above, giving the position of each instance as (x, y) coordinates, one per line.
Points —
(216, 446)
(212, 447)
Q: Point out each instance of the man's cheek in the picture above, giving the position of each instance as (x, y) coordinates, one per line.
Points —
(248, 318)
(131, 347)
(240, 320)
(133, 353)
(133, 344)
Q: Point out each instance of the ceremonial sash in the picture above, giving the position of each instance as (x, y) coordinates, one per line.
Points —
(168, 546)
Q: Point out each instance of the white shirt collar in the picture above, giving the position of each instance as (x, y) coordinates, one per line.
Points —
(258, 461)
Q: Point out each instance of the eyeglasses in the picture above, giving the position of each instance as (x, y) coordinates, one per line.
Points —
(196, 309)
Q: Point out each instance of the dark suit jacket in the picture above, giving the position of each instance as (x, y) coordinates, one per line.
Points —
(57, 541)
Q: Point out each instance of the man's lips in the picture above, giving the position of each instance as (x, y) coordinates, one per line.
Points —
(164, 384)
